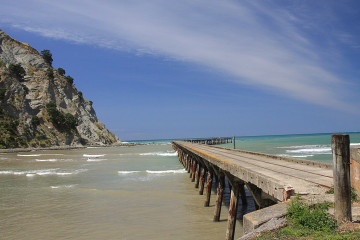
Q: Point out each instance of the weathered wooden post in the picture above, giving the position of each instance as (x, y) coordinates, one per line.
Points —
(234, 141)
(193, 171)
(191, 162)
(202, 181)
(208, 188)
(197, 175)
(219, 199)
(242, 193)
(230, 231)
(340, 144)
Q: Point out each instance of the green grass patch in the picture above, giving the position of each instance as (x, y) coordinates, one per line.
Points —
(309, 222)
(294, 233)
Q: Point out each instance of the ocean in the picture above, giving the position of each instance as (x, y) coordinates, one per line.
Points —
(123, 192)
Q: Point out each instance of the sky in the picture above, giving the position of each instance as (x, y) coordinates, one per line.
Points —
(165, 69)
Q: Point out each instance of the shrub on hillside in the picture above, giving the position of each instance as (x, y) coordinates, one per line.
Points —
(63, 122)
(17, 71)
(50, 73)
(61, 71)
(47, 56)
(69, 79)
(2, 93)
(35, 121)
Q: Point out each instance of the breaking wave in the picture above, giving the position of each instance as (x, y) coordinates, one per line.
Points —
(163, 154)
(93, 156)
(154, 172)
(43, 172)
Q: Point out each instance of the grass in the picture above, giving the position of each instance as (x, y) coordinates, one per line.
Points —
(295, 233)
(310, 222)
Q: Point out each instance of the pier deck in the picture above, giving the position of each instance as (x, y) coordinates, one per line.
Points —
(270, 179)
(270, 173)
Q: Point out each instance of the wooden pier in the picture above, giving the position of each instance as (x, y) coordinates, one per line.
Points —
(270, 179)
(211, 141)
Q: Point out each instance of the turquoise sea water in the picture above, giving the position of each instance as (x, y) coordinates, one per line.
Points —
(305, 146)
(139, 192)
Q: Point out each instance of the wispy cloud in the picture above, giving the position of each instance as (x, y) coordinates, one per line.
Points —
(260, 44)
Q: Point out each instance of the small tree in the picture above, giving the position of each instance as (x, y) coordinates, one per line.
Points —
(61, 71)
(17, 71)
(47, 56)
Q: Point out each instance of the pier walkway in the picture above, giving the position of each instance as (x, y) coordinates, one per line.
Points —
(269, 178)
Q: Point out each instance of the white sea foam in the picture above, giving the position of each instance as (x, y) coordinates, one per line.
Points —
(93, 156)
(354, 144)
(166, 171)
(128, 172)
(96, 160)
(63, 186)
(42, 172)
(320, 150)
(295, 156)
(46, 160)
(52, 154)
(28, 155)
(163, 154)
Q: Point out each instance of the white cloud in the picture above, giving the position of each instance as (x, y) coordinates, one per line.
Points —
(260, 45)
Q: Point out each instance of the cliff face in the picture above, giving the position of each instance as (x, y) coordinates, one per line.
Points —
(26, 116)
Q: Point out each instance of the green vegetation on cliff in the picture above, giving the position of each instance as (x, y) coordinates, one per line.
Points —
(63, 122)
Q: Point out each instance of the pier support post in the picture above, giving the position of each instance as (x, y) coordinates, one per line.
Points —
(242, 193)
(219, 199)
(340, 144)
(202, 181)
(193, 170)
(188, 163)
(208, 188)
(197, 175)
(234, 141)
(230, 231)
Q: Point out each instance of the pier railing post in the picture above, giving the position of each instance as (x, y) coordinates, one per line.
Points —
(230, 231)
(340, 144)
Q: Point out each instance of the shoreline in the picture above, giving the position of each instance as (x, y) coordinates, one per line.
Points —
(31, 149)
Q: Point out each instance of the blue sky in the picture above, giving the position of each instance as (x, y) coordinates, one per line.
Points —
(194, 68)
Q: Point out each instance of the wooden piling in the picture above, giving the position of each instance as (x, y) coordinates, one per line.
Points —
(219, 199)
(193, 170)
(230, 231)
(202, 181)
(188, 161)
(208, 188)
(340, 144)
(197, 175)
(242, 193)
(190, 167)
(234, 141)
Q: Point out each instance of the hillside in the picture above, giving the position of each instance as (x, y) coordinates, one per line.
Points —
(40, 106)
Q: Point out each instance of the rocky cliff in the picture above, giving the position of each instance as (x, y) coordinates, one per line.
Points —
(39, 106)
